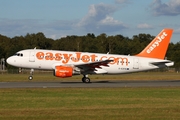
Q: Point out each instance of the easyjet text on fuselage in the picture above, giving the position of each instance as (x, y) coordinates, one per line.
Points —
(65, 58)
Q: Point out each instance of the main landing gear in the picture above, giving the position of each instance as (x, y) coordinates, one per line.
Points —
(85, 79)
(31, 74)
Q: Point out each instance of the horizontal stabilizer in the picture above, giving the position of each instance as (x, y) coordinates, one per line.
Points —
(162, 63)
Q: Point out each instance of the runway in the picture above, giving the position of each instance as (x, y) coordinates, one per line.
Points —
(95, 84)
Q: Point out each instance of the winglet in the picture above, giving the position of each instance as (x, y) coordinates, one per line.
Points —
(158, 47)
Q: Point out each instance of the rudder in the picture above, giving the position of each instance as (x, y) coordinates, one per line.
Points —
(158, 46)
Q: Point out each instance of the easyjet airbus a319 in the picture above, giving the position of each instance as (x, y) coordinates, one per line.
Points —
(67, 63)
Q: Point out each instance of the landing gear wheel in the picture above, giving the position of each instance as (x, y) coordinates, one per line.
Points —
(83, 79)
(86, 80)
(31, 74)
(30, 77)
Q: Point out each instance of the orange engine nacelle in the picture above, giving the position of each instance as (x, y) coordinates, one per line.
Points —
(63, 71)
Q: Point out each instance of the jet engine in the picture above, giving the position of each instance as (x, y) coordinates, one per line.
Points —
(65, 71)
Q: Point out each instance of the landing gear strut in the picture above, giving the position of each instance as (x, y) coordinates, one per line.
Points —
(31, 74)
(85, 79)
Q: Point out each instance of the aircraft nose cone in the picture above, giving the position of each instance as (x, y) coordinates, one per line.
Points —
(10, 60)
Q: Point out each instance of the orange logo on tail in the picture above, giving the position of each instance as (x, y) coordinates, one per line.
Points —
(158, 47)
(157, 42)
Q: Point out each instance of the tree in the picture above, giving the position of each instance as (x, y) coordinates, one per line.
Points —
(102, 43)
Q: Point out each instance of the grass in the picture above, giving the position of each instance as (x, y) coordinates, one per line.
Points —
(48, 76)
(90, 103)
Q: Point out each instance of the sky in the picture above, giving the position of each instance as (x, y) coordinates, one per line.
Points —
(61, 18)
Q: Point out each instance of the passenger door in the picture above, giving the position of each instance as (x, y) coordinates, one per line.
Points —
(32, 56)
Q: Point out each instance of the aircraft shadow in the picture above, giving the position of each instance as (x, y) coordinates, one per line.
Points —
(124, 81)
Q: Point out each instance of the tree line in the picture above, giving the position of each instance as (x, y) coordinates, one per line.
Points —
(117, 44)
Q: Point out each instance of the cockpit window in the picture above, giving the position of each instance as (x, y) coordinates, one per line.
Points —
(19, 54)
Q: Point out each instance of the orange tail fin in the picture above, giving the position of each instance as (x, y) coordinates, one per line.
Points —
(158, 47)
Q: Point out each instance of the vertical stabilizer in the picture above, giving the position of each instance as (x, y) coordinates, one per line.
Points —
(158, 47)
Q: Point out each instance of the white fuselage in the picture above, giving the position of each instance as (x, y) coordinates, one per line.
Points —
(48, 59)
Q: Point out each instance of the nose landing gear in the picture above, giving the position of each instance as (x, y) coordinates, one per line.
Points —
(31, 74)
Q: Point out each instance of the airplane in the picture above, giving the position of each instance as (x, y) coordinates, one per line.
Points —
(68, 63)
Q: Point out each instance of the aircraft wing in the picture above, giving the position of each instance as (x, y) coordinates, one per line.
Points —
(93, 66)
